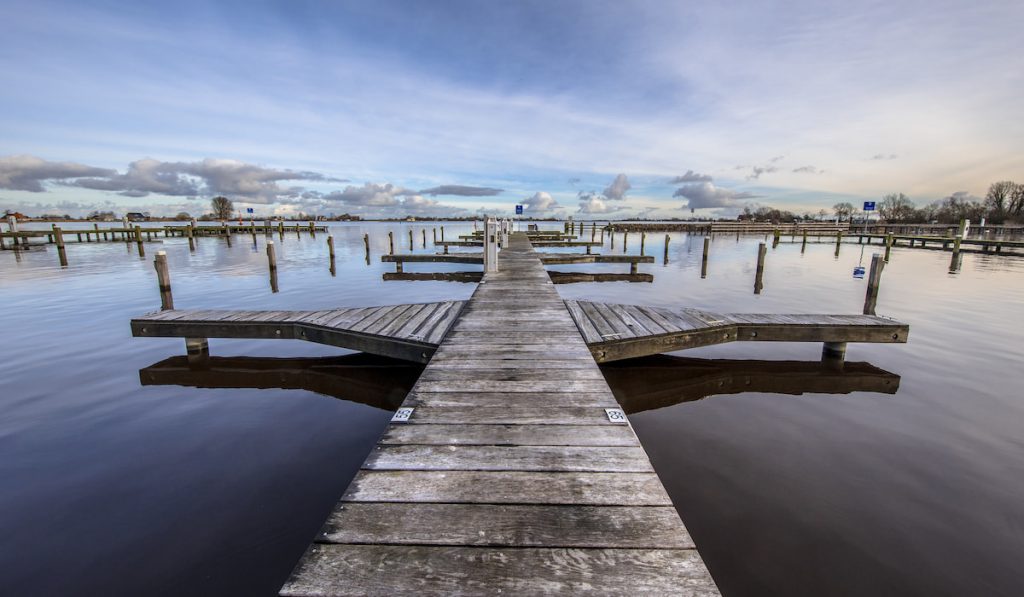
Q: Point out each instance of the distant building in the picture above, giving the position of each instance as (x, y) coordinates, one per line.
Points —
(134, 216)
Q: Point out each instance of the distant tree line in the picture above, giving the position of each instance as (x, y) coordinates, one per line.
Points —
(1004, 202)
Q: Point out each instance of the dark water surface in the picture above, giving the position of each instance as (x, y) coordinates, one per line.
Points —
(124, 473)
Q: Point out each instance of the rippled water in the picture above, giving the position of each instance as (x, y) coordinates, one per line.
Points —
(906, 477)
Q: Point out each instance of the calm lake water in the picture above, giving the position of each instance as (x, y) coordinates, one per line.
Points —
(906, 477)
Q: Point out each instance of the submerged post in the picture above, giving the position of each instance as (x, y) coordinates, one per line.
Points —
(625, 239)
(776, 236)
(410, 239)
(330, 249)
(874, 278)
(163, 278)
(839, 241)
(665, 260)
(442, 233)
(366, 243)
(391, 243)
(803, 243)
(435, 232)
(759, 273)
(833, 352)
(643, 242)
(490, 245)
(424, 238)
(191, 233)
(954, 262)
(888, 246)
(704, 258)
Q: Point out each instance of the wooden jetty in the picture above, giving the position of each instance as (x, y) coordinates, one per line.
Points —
(509, 467)
(20, 239)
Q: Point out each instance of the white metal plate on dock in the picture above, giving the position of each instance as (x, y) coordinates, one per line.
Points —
(402, 415)
(615, 415)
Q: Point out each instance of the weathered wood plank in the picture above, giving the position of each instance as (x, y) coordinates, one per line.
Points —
(509, 458)
(508, 487)
(489, 525)
(511, 435)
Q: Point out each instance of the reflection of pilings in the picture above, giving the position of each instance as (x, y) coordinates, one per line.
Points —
(658, 381)
(379, 382)
(759, 274)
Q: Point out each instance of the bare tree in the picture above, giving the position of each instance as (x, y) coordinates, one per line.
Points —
(896, 207)
(222, 207)
(843, 210)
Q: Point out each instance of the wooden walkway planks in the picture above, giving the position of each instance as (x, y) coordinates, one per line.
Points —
(614, 332)
(509, 476)
(410, 332)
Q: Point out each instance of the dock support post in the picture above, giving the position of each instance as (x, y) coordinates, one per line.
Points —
(704, 259)
(138, 240)
(759, 274)
(124, 228)
(62, 254)
(643, 241)
(874, 279)
(191, 233)
(665, 259)
(775, 238)
(839, 241)
(391, 243)
(954, 262)
(803, 243)
(330, 251)
(366, 244)
(490, 245)
(435, 233)
(272, 262)
(634, 267)
(410, 239)
(312, 228)
(888, 246)
(612, 234)
(197, 351)
(602, 236)
(834, 352)
(625, 240)
(424, 238)
(442, 232)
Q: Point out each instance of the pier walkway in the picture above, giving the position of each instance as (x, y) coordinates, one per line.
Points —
(515, 472)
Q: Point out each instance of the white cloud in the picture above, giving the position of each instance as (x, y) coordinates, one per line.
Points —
(691, 176)
(705, 195)
(616, 191)
(28, 173)
(541, 202)
(596, 204)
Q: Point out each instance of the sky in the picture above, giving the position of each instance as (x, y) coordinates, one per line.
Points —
(591, 109)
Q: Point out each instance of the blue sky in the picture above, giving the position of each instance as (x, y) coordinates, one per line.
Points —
(590, 109)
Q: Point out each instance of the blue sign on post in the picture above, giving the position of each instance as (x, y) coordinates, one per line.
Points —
(519, 210)
(869, 206)
(248, 209)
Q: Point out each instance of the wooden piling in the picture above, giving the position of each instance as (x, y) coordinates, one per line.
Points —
(138, 240)
(163, 278)
(888, 246)
(312, 228)
(954, 262)
(643, 242)
(435, 234)
(611, 233)
(410, 239)
(704, 258)
(874, 279)
(366, 243)
(776, 235)
(803, 243)
(58, 237)
(839, 241)
(391, 243)
(191, 233)
(330, 247)
(759, 274)
(280, 230)
(625, 240)
(271, 256)
(442, 233)
(665, 259)
(424, 238)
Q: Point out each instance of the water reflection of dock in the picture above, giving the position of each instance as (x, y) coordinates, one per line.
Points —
(509, 467)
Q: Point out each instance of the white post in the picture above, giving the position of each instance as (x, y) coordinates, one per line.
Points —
(505, 224)
(12, 223)
(490, 245)
(967, 227)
